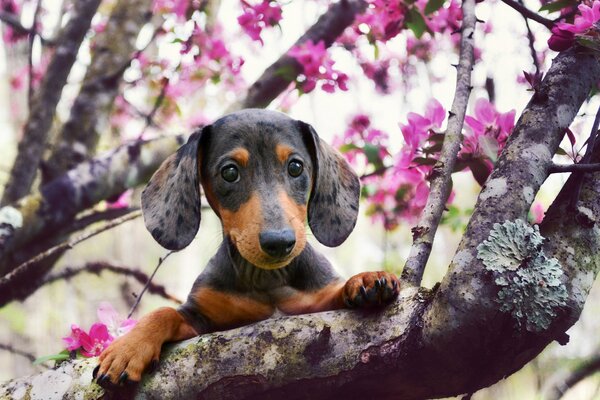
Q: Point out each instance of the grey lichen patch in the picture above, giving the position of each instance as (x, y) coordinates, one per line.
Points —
(531, 287)
(509, 245)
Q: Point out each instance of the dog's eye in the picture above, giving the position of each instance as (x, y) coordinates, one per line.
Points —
(230, 173)
(295, 168)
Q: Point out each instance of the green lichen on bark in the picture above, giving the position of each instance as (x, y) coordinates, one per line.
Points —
(531, 287)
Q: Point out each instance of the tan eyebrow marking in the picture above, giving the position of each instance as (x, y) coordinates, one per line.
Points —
(283, 152)
(240, 155)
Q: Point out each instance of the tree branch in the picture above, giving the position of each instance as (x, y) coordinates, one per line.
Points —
(559, 168)
(587, 368)
(13, 21)
(527, 13)
(112, 52)
(441, 174)
(273, 81)
(21, 353)
(100, 266)
(32, 35)
(90, 182)
(17, 280)
(36, 129)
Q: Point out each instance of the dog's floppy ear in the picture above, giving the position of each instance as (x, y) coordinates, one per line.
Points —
(333, 203)
(171, 200)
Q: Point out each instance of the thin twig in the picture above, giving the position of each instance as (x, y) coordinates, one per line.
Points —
(531, 39)
(24, 267)
(586, 159)
(139, 298)
(32, 35)
(527, 13)
(18, 352)
(100, 266)
(559, 168)
(441, 174)
(587, 368)
(157, 103)
(13, 21)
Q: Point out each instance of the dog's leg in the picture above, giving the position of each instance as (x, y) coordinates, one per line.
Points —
(128, 356)
(364, 289)
(316, 287)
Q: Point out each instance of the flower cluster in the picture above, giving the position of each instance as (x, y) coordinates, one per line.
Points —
(397, 189)
(259, 16)
(486, 134)
(101, 334)
(317, 66)
(564, 34)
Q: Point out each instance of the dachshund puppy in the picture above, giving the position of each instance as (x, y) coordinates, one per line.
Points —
(264, 174)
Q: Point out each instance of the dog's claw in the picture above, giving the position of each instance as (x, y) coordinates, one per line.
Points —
(363, 292)
(153, 366)
(370, 289)
(123, 377)
(102, 379)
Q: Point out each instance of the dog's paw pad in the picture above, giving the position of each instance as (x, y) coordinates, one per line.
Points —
(371, 289)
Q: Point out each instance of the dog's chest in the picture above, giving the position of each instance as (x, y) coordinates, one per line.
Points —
(252, 278)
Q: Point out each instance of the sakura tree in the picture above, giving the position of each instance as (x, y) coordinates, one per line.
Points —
(101, 92)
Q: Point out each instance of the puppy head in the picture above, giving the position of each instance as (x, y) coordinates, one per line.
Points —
(263, 173)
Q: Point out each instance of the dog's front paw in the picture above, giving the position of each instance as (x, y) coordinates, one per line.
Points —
(371, 289)
(125, 359)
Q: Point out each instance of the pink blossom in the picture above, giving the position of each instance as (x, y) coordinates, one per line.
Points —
(116, 325)
(489, 122)
(384, 19)
(561, 39)
(537, 212)
(123, 201)
(257, 17)
(317, 66)
(564, 34)
(358, 134)
(101, 333)
(90, 344)
(418, 127)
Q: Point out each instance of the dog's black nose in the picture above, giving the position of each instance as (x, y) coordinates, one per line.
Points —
(277, 243)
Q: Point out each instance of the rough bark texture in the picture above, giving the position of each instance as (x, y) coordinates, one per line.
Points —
(274, 80)
(59, 201)
(456, 340)
(440, 184)
(36, 130)
(112, 51)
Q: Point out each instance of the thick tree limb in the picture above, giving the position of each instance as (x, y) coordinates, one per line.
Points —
(467, 296)
(441, 176)
(60, 200)
(278, 76)
(112, 50)
(36, 129)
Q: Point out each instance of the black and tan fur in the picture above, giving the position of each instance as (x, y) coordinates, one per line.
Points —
(252, 275)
